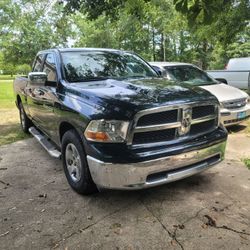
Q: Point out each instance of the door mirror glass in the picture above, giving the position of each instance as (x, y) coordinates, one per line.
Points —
(37, 78)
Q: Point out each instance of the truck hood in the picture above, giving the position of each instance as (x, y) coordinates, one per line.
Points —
(225, 92)
(136, 95)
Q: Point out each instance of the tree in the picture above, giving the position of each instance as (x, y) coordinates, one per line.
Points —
(223, 19)
(30, 26)
(94, 8)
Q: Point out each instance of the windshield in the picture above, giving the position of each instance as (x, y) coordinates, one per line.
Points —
(97, 65)
(189, 74)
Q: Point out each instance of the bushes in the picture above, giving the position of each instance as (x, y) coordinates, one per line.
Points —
(23, 69)
(8, 71)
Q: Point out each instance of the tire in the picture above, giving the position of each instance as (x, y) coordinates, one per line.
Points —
(24, 120)
(75, 164)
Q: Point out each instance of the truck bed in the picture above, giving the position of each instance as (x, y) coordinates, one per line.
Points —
(237, 78)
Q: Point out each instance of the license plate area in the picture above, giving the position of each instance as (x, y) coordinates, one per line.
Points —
(241, 115)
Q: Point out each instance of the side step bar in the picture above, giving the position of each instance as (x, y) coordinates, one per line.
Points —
(50, 148)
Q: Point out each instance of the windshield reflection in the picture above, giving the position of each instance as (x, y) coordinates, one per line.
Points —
(101, 65)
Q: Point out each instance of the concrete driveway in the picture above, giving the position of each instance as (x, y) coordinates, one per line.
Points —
(38, 210)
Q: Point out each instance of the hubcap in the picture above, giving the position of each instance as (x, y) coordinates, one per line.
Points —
(73, 162)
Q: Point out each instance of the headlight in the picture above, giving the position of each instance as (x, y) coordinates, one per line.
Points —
(107, 131)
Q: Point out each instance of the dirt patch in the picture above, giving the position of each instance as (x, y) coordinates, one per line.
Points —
(10, 130)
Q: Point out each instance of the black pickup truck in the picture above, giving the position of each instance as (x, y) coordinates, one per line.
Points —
(114, 122)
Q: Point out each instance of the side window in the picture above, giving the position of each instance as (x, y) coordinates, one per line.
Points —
(50, 67)
(37, 66)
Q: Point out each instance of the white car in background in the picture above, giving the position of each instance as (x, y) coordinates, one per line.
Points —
(235, 106)
(236, 73)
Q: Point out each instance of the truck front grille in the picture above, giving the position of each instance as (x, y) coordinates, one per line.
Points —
(235, 104)
(201, 111)
(202, 127)
(158, 118)
(154, 136)
(168, 125)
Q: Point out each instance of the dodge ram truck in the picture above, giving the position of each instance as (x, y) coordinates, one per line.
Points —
(114, 122)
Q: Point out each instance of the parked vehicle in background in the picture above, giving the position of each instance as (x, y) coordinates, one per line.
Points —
(235, 106)
(237, 73)
(115, 123)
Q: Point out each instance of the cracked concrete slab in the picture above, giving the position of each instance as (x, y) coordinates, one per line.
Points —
(39, 210)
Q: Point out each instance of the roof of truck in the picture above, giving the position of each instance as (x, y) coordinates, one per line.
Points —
(82, 49)
(163, 64)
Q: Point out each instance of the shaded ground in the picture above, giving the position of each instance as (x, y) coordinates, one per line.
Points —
(10, 129)
(39, 211)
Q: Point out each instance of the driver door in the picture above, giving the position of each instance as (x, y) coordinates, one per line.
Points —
(44, 97)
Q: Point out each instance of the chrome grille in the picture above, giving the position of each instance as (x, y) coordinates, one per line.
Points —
(202, 127)
(154, 136)
(158, 118)
(201, 111)
(165, 124)
(235, 104)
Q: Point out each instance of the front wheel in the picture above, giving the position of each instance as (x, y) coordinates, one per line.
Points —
(75, 164)
(24, 120)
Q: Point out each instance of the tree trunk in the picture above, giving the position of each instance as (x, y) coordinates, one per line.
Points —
(204, 55)
(163, 48)
(153, 44)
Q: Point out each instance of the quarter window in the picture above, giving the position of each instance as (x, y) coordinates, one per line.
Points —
(38, 64)
(50, 68)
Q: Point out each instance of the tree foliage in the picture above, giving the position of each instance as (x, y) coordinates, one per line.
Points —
(30, 26)
(204, 32)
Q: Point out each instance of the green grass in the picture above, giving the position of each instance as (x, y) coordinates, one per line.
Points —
(7, 77)
(7, 99)
(10, 130)
(247, 162)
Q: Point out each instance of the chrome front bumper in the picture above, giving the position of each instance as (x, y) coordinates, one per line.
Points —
(230, 117)
(154, 172)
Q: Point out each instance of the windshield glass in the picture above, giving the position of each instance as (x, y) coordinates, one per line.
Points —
(189, 74)
(97, 65)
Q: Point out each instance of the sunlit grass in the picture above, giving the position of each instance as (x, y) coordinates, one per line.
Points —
(7, 99)
(10, 130)
(7, 77)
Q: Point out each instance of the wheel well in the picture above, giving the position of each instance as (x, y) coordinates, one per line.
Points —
(18, 99)
(64, 127)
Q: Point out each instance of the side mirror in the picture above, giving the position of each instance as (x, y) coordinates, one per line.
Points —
(37, 78)
(221, 80)
(158, 70)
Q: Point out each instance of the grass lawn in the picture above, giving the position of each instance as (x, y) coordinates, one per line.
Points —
(7, 77)
(10, 130)
(247, 162)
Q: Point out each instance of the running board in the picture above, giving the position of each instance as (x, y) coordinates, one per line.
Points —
(50, 148)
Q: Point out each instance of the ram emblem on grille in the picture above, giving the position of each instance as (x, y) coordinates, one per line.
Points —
(185, 121)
